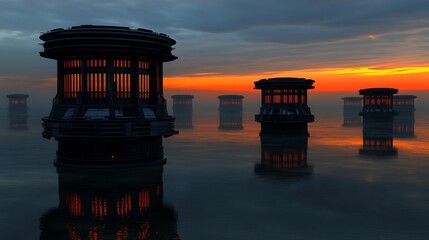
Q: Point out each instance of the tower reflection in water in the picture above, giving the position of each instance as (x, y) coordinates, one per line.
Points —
(284, 118)
(403, 123)
(378, 113)
(110, 203)
(231, 112)
(18, 111)
(351, 109)
(182, 111)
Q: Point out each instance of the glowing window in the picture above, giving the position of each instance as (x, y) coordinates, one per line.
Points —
(71, 85)
(122, 233)
(144, 86)
(122, 63)
(123, 85)
(98, 207)
(123, 206)
(143, 64)
(72, 63)
(96, 62)
(144, 232)
(96, 85)
(144, 200)
(18, 102)
(267, 99)
(74, 204)
(277, 99)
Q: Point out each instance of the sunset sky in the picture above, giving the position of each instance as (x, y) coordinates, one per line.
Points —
(229, 44)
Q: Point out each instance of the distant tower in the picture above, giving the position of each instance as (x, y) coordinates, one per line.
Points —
(284, 116)
(182, 110)
(230, 112)
(284, 104)
(378, 102)
(18, 111)
(109, 105)
(403, 123)
(378, 113)
(109, 203)
(352, 107)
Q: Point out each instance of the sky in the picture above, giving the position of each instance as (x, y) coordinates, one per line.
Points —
(228, 44)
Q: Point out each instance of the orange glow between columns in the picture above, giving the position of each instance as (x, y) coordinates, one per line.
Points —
(327, 79)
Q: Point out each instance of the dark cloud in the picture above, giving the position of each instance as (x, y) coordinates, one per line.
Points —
(234, 36)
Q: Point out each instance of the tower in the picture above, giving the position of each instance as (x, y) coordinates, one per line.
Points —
(403, 123)
(284, 116)
(182, 110)
(18, 111)
(284, 105)
(109, 106)
(378, 113)
(230, 112)
(351, 109)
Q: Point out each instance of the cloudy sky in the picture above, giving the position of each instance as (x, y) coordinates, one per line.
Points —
(228, 44)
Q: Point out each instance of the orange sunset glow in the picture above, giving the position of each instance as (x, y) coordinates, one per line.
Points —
(327, 79)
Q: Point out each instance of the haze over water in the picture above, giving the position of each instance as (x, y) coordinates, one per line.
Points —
(211, 184)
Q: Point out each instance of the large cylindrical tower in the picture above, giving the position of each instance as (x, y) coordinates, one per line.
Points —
(109, 104)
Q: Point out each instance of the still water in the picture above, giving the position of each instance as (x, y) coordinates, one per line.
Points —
(212, 186)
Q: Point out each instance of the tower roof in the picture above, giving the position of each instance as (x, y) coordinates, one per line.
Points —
(374, 91)
(17, 96)
(230, 97)
(404, 97)
(286, 82)
(351, 98)
(106, 39)
(182, 97)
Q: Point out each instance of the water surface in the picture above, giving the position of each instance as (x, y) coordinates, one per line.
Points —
(211, 186)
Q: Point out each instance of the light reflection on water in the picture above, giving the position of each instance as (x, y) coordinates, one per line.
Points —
(210, 182)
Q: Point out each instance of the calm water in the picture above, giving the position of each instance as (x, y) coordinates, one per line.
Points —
(209, 188)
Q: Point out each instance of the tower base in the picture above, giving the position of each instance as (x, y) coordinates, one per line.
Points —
(107, 151)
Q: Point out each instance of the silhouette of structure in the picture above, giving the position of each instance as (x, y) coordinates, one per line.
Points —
(230, 112)
(284, 117)
(110, 204)
(284, 104)
(351, 109)
(403, 123)
(18, 110)
(378, 113)
(109, 105)
(182, 110)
